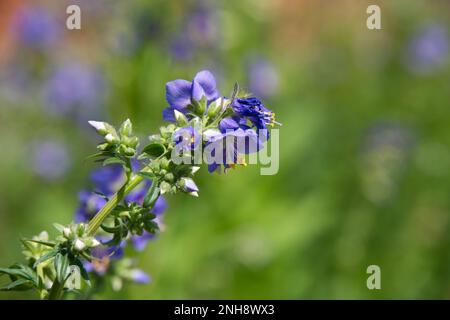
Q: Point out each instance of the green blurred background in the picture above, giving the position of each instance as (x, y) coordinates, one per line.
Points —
(364, 146)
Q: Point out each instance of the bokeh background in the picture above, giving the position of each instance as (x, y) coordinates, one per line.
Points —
(364, 148)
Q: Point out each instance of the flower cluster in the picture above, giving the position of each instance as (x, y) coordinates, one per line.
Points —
(126, 203)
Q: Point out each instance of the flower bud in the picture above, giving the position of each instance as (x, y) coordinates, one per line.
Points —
(129, 152)
(93, 243)
(165, 187)
(67, 232)
(189, 186)
(126, 128)
(169, 177)
(99, 126)
(180, 118)
(79, 245)
(216, 107)
(110, 138)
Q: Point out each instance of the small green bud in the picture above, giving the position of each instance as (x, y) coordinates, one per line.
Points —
(169, 177)
(67, 232)
(130, 152)
(180, 118)
(165, 187)
(164, 163)
(111, 138)
(126, 128)
(199, 107)
(216, 107)
(103, 146)
(134, 141)
(155, 166)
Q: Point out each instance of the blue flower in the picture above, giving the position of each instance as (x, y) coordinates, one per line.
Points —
(253, 109)
(187, 138)
(235, 138)
(181, 93)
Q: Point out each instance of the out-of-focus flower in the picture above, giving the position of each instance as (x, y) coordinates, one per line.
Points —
(200, 31)
(36, 27)
(103, 256)
(14, 81)
(429, 49)
(108, 179)
(89, 204)
(181, 47)
(202, 26)
(50, 159)
(385, 152)
(125, 270)
(181, 93)
(74, 88)
(263, 78)
(139, 276)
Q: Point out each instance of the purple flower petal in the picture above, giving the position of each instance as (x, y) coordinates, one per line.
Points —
(140, 242)
(204, 84)
(160, 206)
(168, 114)
(190, 185)
(178, 93)
(228, 124)
(140, 276)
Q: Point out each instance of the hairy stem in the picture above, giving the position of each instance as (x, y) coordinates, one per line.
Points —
(98, 219)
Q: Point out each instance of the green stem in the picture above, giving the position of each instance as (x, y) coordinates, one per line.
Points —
(56, 291)
(98, 219)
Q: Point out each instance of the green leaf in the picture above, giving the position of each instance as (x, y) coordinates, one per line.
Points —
(154, 149)
(147, 175)
(59, 227)
(16, 270)
(152, 195)
(95, 155)
(183, 170)
(45, 257)
(18, 285)
(44, 243)
(61, 264)
(19, 271)
(113, 160)
(151, 226)
(111, 229)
